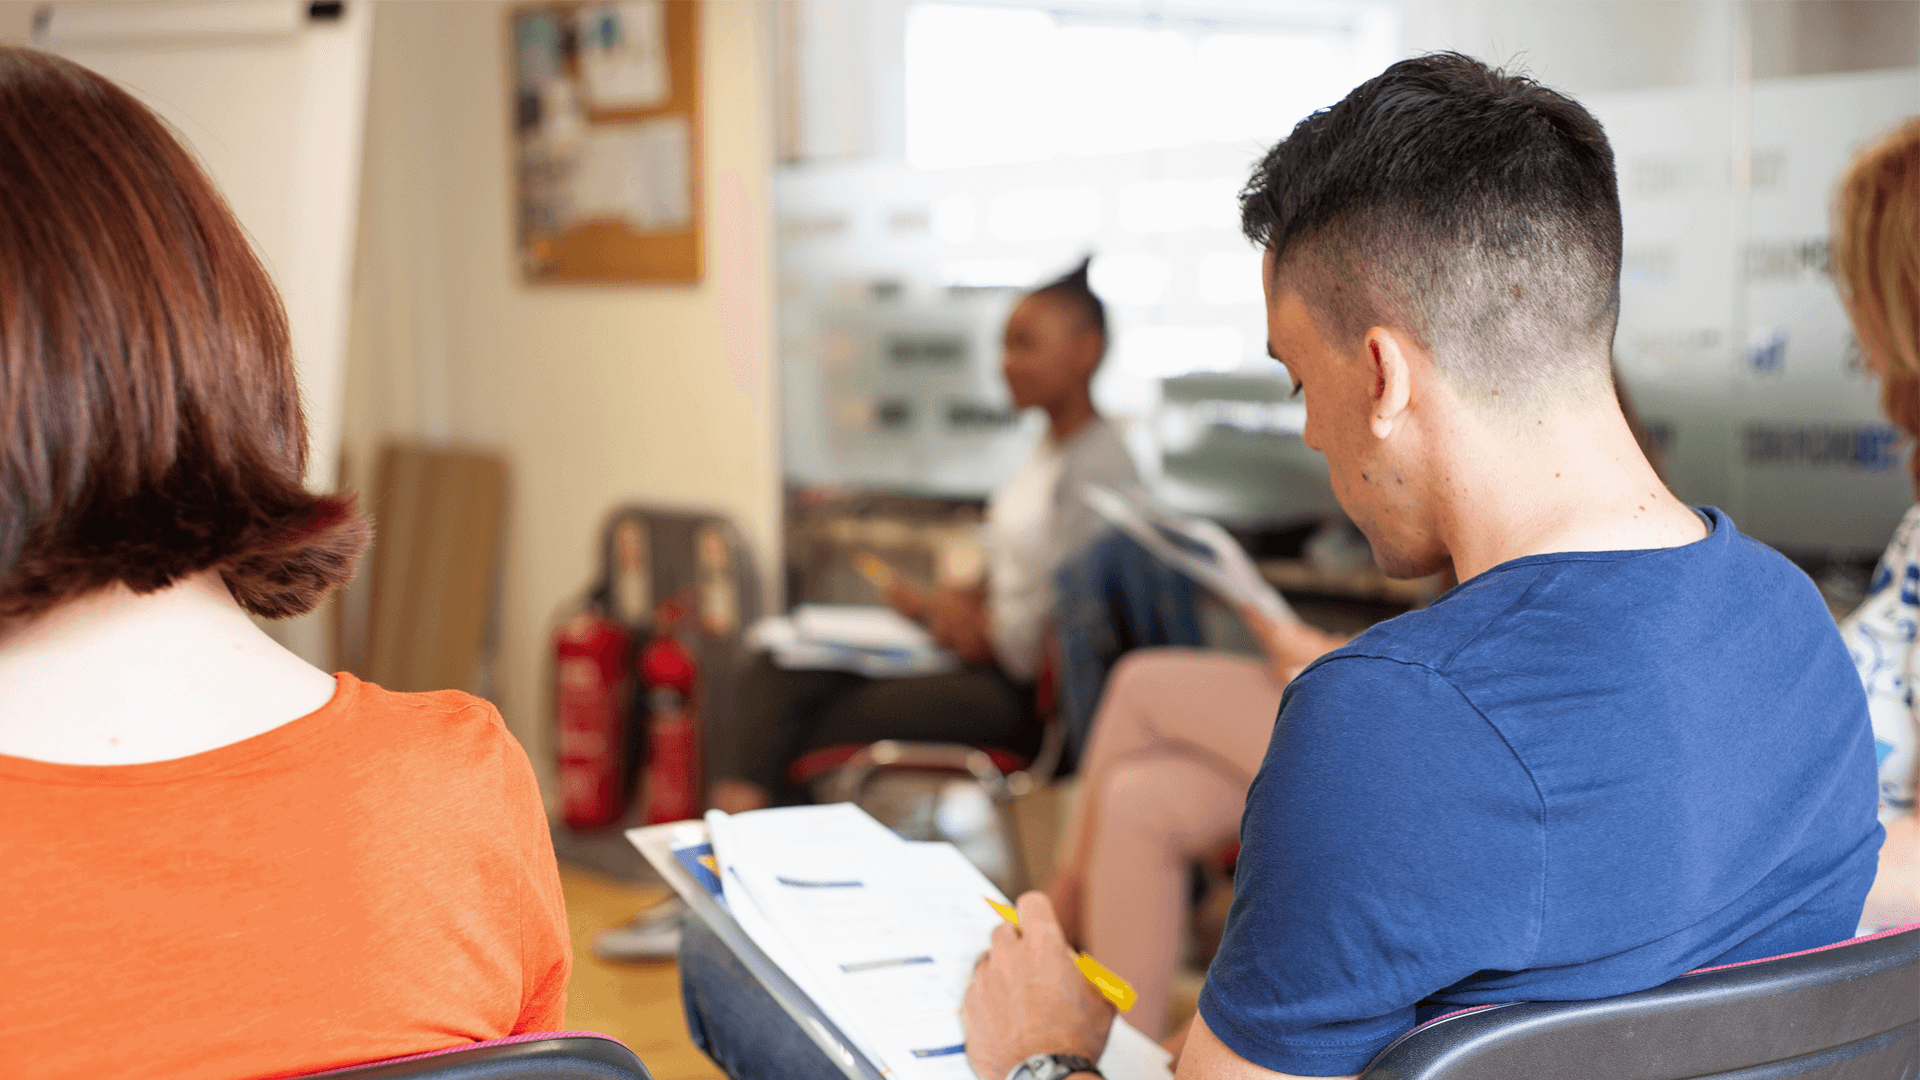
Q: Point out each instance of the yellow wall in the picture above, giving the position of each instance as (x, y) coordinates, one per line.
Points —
(596, 395)
(16, 22)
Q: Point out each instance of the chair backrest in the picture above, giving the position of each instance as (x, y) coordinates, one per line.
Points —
(676, 548)
(548, 1055)
(1849, 1011)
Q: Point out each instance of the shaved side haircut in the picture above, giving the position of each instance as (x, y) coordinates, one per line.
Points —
(1474, 209)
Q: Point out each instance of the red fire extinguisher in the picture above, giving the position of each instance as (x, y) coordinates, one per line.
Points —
(591, 657)
(670, 678)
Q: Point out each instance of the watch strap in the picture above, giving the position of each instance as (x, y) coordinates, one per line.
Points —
(1053, 1067)
(1074, 1063)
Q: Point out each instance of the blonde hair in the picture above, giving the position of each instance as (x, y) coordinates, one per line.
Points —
(1876, 266)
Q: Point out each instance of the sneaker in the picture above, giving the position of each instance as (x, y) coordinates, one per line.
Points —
(654, 934)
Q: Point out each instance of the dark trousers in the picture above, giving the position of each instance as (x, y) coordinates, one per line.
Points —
(736, 1022)
(1111, 597)
(780, 715)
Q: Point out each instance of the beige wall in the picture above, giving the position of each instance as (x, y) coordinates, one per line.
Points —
(596, 395)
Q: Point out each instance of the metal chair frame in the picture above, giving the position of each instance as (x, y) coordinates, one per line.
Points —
(848, 782)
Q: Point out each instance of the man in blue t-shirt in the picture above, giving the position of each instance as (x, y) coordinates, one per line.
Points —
(1627, 745)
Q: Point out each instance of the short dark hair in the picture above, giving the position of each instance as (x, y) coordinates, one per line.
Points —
(1074, 288)
(150, 423)
(1474, 208)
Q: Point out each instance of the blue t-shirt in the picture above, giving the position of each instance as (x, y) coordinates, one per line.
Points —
(1575, 775)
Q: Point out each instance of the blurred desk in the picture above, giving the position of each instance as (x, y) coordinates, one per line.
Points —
(1366, 583)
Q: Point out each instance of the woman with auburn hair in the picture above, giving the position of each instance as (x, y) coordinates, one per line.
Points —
(1876, 265)
(218, 861)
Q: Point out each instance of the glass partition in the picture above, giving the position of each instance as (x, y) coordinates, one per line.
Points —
(945, 156)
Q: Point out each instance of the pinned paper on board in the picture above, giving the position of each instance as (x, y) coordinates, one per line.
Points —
(639, 174)
(623, 54)
(607, 135)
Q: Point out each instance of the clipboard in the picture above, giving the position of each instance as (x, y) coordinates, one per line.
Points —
(673, 850)
(659, 844)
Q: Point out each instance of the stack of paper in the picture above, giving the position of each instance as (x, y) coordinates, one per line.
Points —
(881, 933)
(874, 641)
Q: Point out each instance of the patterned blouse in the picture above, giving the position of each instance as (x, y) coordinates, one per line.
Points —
(1881, 636)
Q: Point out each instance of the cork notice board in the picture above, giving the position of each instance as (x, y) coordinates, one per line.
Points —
(606, 123)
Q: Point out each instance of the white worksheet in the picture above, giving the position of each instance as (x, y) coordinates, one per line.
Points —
(731, 851)
(882, 933)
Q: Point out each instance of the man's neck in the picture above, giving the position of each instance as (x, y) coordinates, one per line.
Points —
(1577, 483)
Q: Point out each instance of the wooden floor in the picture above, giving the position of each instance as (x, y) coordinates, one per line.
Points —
(639, 1004)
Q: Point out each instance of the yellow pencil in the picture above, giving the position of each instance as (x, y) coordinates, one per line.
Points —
(1111, 986)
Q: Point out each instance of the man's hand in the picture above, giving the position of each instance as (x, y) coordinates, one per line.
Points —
(1028, 997)
(1289, 646)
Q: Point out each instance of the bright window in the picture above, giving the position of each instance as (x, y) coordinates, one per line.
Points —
(990, 86)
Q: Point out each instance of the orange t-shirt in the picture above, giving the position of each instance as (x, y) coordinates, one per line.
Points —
(370, 880)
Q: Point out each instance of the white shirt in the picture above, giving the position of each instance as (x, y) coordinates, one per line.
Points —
(1036, 520)
(1020, 561)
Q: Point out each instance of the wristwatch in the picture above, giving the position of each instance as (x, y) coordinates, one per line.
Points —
(1052, 1067)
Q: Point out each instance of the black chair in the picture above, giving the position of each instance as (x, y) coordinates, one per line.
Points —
(548, 1055)
(1849, 1011)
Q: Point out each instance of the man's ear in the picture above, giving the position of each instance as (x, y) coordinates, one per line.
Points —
(1392, 358)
